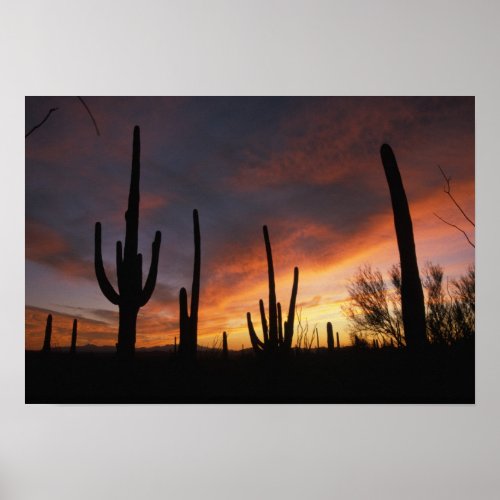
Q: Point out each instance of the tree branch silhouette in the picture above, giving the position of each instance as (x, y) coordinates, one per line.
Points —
(51, 110)
(90, 114)
(456, 227)
(447, 190)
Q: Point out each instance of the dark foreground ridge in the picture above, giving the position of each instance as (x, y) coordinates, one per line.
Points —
(347, 375)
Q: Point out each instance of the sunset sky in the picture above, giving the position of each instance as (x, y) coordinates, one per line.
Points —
(309, 168)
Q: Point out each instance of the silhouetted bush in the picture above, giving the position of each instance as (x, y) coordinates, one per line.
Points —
(374, 310)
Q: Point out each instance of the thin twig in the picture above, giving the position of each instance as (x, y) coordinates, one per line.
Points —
(90, 114)
(456, 227)
(51, 110)
(447, 190)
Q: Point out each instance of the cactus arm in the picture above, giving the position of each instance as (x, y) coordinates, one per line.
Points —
(106, 287)
(273, 318)
(263, 319)
(150, 284)
(291, 310)
(256, 342)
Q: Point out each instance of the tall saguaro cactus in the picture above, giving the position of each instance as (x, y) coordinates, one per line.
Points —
(72, 349)
(188, 323)
(131, 295)
(48, 334)
(412, 296)
(277, 337)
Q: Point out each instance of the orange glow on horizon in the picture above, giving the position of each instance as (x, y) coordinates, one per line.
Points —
(322, 283)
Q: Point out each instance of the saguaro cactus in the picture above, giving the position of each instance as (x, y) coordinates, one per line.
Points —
(338, 340)
(131, 295)
(188, 324)
(48, 334)
(329, 336)
(224, 345)
(72, 349)
(412, 296)
(277, 337)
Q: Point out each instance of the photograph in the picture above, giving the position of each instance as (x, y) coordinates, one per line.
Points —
(250, 249)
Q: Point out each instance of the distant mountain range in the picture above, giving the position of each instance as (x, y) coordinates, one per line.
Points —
(109, 348)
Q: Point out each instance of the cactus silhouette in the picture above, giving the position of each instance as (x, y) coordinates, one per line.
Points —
(131, 295)
(329, 336)
(338, 340)
(412, 296)
(277, 337)
(188, 324)
(72, 349)
(224, 345)
(48, 334)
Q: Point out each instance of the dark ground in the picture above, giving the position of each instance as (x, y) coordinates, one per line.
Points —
(345, 376)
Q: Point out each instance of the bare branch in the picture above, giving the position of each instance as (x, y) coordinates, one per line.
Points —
(51, 110)
(90, 114)
(456, 227)
(447, 190)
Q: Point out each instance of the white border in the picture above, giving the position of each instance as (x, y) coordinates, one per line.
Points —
(249, 48)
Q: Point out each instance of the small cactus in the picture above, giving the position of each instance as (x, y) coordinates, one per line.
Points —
(48, 334)
(72, 349)
(329, 336)
(224, 345)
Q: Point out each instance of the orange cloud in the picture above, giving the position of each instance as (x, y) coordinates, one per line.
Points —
(42, 242)
(46, 246)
